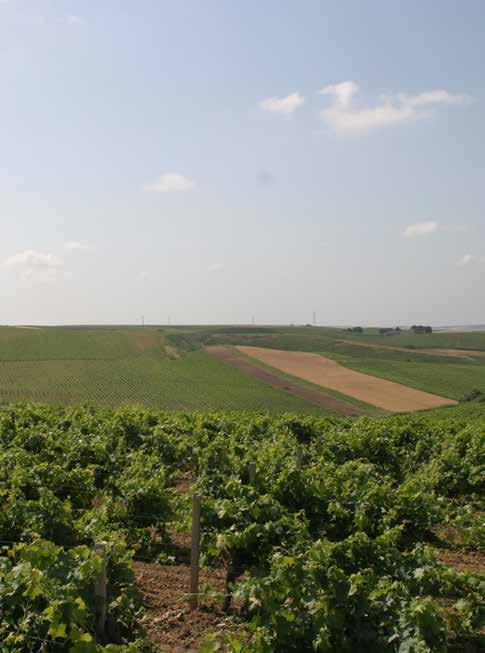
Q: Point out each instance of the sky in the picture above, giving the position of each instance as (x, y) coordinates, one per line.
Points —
(206, 162)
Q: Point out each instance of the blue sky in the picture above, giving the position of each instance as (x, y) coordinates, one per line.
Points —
(217, 160)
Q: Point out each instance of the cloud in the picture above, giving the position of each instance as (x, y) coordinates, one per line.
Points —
(75, 20)
(169, 183)
(420, 229)
(31, 263)
(74, 245)
(344, 116)
(284, 106)
(466, 259)
(216, 267)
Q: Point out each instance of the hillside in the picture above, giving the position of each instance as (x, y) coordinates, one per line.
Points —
(115, 366)
(450, 365)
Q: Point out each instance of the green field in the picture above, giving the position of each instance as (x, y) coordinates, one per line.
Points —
(65, 343)
(466, 340)
(450, 376)
(449, 380)
(167, 367)
(324, 338)
(113, 367)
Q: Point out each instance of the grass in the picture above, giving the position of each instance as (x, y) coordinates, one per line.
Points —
(321, 338)
(467, 340)
(451, 380)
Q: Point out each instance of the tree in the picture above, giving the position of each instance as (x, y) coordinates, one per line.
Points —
(419, 328)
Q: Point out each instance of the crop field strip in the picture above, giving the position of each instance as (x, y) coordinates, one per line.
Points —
(452, 381)
(273, 377)
(465, 340)
(363, 407)
(417, 361)
(328, 373)
(467, 354)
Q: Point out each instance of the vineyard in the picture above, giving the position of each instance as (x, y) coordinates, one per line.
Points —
(170, 367)
(327, 534)
(83, 343)
(112, 367)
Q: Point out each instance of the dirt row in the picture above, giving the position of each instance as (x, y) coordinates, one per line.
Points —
(328, 373)
(314, 396)
(168, 620)
(174, 628)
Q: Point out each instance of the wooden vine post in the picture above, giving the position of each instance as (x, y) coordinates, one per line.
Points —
(195, 553)
(299, 458)
(100, 593)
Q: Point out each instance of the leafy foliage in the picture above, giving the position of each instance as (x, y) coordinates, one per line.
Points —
(326, 558)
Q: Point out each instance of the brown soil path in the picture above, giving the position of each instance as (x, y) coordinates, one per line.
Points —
(471, 562)
(330, 374)
(169, 622)
(317, 397)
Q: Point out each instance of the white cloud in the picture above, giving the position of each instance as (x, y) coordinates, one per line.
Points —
(31, 263)
(74, 245)
(466, 259)
(344, 116)
(420, 229)
(168, 183)
(73, 19)
(284, 106)
(216, 267)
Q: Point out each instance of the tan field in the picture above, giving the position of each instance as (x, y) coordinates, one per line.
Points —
(329, 374)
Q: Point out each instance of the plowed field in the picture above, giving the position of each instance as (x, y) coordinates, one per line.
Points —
(329, 374)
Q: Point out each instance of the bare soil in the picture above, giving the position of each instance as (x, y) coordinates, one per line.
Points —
(146, 341)
(330, 374)
(171, 352)
(471, 562)
(317, 397)
(168, 620)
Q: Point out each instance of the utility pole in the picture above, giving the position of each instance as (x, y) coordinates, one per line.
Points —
(143, 320)
(314, 318)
